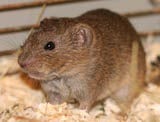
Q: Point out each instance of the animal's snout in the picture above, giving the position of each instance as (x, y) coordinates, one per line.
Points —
(24, 62)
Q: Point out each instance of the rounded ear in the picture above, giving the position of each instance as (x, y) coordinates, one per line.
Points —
(82, 35)
(44, 22)
(48, 23)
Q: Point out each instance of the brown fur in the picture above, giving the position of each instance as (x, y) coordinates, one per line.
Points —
(91, 60)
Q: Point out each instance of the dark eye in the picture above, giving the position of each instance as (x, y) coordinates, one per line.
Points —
(49, 46)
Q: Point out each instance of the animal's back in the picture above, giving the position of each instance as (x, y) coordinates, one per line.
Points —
(115, 36)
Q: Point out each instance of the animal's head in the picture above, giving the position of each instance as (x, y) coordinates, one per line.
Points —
(56, 47)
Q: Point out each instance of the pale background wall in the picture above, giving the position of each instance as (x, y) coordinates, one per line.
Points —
(29, 16)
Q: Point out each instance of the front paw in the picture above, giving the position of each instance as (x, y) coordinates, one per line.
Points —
(85, 105)
(54, 98)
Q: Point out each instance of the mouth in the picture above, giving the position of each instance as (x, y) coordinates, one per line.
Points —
(42, 76)
(36, 75)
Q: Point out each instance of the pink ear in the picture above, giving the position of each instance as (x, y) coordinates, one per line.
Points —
(83, 35)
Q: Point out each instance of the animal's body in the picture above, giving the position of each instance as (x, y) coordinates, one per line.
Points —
(86, 58)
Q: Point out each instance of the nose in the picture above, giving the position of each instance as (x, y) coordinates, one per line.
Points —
(23, 64)
(27, 60)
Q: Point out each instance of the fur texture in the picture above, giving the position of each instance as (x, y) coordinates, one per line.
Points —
(91, 60)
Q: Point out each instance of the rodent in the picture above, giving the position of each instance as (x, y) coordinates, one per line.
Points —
(85, 59)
